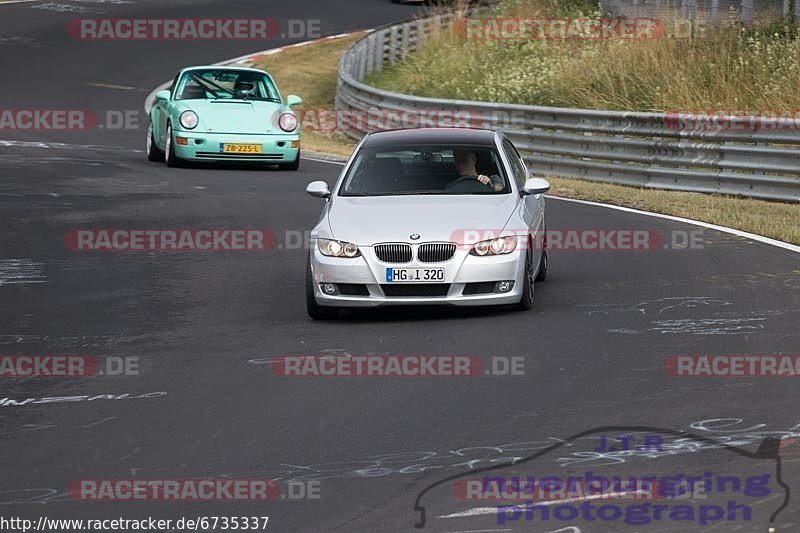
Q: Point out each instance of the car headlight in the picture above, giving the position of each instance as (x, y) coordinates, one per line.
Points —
(499, 246)
(334, 248)
(189, 120)
(288, 122)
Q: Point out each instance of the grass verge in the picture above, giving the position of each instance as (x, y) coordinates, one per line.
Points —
(310, 71)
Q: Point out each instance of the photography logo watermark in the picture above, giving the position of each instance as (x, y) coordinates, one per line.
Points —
(217, 489)
(170, 240)
(192, 29)
(414, 366)
(67, 366)
(565, 509)
(732, 120)
(644, 514)
(67, 120)
(732, 366)
(499, 28)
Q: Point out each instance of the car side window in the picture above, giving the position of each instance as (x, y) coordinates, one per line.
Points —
(517, 168)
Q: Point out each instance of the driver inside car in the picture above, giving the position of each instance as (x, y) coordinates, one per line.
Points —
(244, 88)
(469, 180)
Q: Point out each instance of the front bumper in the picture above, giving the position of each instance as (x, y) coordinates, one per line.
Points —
(200, 146)
(461, 270)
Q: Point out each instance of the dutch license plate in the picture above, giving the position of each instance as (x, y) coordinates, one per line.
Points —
(414, 274)
(241, 148)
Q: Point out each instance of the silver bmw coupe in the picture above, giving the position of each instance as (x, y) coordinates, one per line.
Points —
(428, 216)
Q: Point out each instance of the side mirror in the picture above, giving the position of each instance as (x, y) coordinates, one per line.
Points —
(318, 189)
(163, 96)
(293, 100)
(536, 186)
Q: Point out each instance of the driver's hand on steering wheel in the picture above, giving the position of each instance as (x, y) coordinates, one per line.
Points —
(483, 179)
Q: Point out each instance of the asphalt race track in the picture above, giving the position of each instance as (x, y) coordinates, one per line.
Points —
(205, 326)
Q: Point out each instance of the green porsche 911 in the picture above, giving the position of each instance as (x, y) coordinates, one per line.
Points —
(218, 113)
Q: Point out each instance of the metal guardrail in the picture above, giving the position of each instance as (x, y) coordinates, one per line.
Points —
(707, 11)
(629, 148)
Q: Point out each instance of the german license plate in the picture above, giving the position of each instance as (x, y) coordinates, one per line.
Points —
(241, 148)
(431, 275)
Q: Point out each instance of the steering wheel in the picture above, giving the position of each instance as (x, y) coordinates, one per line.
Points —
(469, 179)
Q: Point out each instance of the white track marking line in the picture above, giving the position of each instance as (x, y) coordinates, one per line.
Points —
(725, 229)
(318, 160)
(8, 2)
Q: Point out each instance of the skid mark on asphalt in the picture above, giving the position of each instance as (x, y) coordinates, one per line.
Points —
(77, 6)
(656, 307)
(21, 271)
(29, 428)
(71, 342)
(724, 321)
(725, 325)
(62, 8)
(64, 146)
(24, 402)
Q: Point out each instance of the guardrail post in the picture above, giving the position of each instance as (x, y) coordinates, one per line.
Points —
(377, 50)
(404, 37)
(392, 44)
(421, 36)
(747, 10)
(370, 53)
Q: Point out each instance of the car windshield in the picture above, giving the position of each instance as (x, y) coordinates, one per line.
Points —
(226, 84)
(436, 169)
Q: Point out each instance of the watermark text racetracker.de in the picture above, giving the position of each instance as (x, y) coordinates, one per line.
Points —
(765, 120)
(167, 240)
(732, 366)
(587, 239)
(67, 366)
(199, 490)
(583, 28)
(68, 119)
(414, 366)
(588, 28)
(261, 240)
(193, 29)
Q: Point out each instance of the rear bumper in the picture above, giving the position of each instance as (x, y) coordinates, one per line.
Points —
(208, 147)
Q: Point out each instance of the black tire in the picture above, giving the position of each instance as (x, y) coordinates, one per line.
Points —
(153, 152)
(170, 158)
(526, 300)
(544, 263)
(314, 310)
(294, 165)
